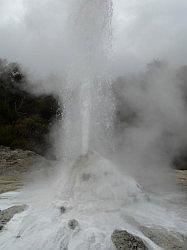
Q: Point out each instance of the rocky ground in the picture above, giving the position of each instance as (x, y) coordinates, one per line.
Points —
(10, 183)
(18, 162)
(123, 240)
(182, 177)
(15, 164)
(14, 168)
(7, 214)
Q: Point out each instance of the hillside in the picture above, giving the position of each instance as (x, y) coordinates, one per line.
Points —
(25, 119)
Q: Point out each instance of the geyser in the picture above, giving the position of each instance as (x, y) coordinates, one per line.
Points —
(89, 198)
(88, 105)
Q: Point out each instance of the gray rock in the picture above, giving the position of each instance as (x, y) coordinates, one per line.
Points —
(182, 177)
(62, 210)
(10, 183)
(126, 241)
(165, 239)
(7, 214)
(72, 224)
(17, 161)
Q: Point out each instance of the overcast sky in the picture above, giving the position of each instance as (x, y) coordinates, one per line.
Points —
(30, 31)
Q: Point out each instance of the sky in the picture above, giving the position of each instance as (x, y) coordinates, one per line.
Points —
(31, 32)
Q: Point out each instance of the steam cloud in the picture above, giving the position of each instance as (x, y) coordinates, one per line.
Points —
(33, 33)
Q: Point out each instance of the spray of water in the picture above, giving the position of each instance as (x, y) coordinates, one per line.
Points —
(88, 108)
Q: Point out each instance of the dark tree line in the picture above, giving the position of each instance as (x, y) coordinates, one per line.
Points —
(25, 119)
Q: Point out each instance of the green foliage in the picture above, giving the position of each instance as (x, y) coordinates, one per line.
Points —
(19, 142)
(25, 119)
(7, 135)
(6, 113)
(31, 127)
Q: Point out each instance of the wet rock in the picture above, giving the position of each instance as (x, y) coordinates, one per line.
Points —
(18, 161)
(86, 177)
(72, 224)
(7, 214)
(182, 177)
(165, 239)
(62, 210)
(10, 183)
(126, 241)
(15, 164)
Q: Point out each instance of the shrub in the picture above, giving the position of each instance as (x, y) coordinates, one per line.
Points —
(7, 115)
(31, 127)
(7, 135)
(24, 118)
(19, 142)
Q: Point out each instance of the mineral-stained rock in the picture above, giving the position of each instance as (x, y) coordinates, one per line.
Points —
(72, 224)
(182, 177)
(165, 239)
(7, 214)
(10, 183)
(126, 241)
(62, 209)
(17, 161)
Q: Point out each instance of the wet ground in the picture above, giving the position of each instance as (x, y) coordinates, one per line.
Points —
(10, 183)
(182, 177)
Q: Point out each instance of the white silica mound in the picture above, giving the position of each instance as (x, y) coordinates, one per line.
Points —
(83, 209)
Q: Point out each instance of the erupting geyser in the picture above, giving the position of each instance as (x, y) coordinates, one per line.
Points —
(90, 198)
(88, 102)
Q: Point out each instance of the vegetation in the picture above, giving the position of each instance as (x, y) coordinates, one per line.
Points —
(25, 118)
